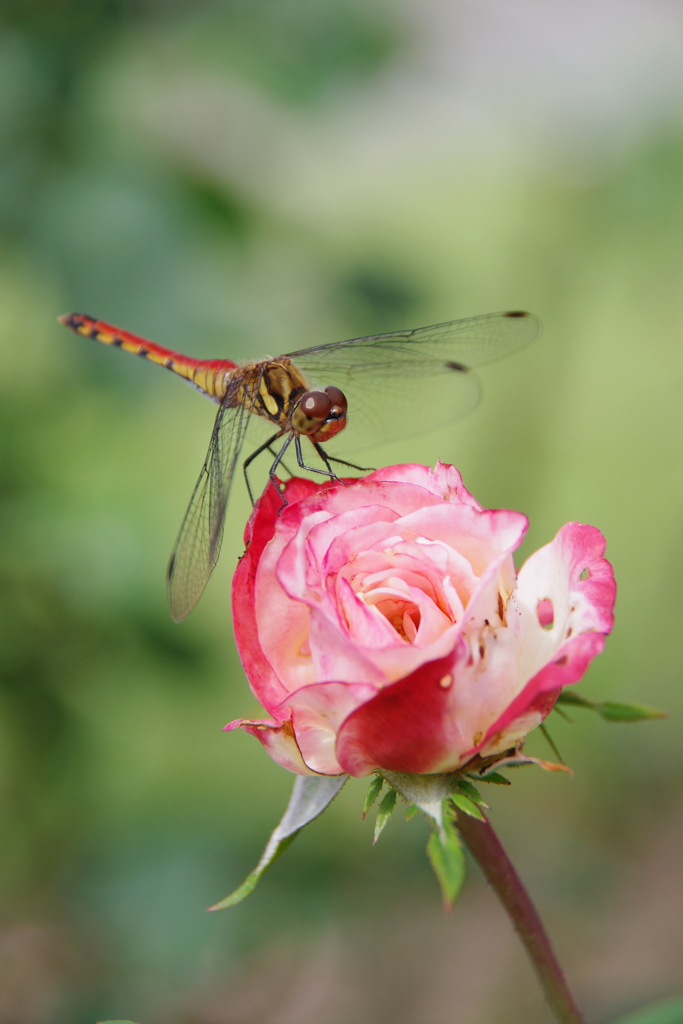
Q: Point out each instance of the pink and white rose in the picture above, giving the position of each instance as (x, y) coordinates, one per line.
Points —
(382, 624)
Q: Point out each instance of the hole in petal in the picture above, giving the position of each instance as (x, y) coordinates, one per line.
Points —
(445, 681)
(545, 613)
(586, 574)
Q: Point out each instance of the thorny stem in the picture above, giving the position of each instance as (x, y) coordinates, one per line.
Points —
(486, 848)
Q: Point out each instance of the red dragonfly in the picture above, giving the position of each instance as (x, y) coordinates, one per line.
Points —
(397, 384)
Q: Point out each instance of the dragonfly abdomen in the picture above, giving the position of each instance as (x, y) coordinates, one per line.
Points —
(210, 376)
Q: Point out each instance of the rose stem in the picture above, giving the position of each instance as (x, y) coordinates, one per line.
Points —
(487, 850)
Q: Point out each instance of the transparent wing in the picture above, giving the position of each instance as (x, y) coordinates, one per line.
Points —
(411, 381)
(199, 541)
(473, 341)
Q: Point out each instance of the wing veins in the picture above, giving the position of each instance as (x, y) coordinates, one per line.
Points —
(478, 338)
(198, 544)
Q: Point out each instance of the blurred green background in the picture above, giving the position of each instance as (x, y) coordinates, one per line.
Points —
(241, 177)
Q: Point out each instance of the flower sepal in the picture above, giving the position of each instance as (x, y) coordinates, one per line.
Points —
(439, 798)
(310, 796)
(610, 710)
(442, 798)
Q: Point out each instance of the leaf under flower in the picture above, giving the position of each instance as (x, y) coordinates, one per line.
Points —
(310, 797)
(612, 711)
(386, 809)
(472, 792)
(373, 792)
(447, 857)
(467, 806)
(494, 777)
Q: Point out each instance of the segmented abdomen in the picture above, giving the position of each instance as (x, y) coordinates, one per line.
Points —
(211, 376)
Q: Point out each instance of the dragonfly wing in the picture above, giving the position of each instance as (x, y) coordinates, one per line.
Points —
(412, 381)
(472, 341)
(199, 541)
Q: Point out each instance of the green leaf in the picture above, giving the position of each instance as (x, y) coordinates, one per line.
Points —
(472, 792)
(448, 860)
(386, 809)
(613, 711)
(468, 806)
(668, 1012)
(574, 698)
(309, 798)
(495, 777)
(628, 712)
(372, 793)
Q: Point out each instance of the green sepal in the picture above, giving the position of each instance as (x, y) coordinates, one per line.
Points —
(310, 797)
(612, 711)
(495, 777)
(472, 792)
(386, 809)
(411, 812)
(543, 728)
(575, 699)
(467, 806)
(372, 793)
(448, 860)
(429, 793)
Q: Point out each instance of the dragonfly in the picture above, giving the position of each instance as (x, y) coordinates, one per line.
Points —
(373, 388)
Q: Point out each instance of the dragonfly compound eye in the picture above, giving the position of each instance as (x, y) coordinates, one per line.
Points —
(316, 405)
(312, 410)
(339, 403)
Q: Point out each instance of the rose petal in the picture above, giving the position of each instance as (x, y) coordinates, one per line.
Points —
(278, 740)
(406, 727)
(553, 573)
(317, 714)
(569, 665)
(382, 624)
(444, 481)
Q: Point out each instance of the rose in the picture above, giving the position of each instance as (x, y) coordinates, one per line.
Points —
(381, 623)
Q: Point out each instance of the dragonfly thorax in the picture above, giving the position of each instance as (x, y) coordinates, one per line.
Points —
(270, 389)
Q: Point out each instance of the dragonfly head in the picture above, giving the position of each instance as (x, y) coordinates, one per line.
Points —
(320, 414)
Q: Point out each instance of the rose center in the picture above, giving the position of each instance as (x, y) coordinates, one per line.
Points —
(403, 616)
(402, 613)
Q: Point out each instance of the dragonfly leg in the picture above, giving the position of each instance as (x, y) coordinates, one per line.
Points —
(341, 462)
(276, 463)
(264, 447)
(281, 462)
(329, 472)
